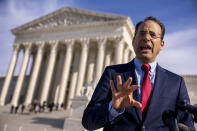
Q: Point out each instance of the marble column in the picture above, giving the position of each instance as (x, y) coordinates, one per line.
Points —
(66, 71)
(56, 94)
(126, 55)
(49, 71)
(100, 58)
(82, 66)
(55, 85)
(131, 55)
(91, 66)
(73, 80)
(35, 72)
(119, 49)
(108, 57)
(9, 75)
(22, 74)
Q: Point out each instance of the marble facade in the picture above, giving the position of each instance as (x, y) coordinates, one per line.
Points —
(70, 49)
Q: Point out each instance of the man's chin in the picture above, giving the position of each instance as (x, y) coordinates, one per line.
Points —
(145, 58)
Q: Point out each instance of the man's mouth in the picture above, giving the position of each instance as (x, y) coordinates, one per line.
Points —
(145, 47)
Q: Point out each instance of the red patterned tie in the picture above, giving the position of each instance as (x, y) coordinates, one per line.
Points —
(146, 88)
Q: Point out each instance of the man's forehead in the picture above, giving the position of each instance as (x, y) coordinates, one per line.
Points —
(150, 26)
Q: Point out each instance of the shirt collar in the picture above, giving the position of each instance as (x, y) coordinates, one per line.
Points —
(138, 65)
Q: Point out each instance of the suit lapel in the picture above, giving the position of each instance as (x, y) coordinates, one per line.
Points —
(131, 73)
(159, 86)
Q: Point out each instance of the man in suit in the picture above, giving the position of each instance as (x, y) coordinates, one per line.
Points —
(133, 96)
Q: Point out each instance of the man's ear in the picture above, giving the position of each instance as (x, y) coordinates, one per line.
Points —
(162, 44)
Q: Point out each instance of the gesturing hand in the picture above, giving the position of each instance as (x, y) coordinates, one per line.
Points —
(122, 97)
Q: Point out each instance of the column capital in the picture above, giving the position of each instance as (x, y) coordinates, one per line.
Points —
(101, 42)
(53, 44)
(40, 44)
(85, 42)
(118, 38)
(16, 46)
(119, 41)
(69, 42)
(27, 45)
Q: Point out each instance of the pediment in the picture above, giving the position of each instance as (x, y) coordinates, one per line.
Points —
(67, 16)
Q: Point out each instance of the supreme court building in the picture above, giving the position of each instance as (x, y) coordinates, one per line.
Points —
(69, 49)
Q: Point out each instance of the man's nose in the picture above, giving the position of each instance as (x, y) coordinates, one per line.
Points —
(147, 36)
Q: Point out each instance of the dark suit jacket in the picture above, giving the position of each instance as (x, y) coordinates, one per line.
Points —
(169, 88)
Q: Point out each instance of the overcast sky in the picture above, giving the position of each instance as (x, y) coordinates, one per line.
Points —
(179, 17)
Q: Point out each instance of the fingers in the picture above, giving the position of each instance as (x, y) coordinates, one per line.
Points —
(126, 85)
(122, 95)
(133, 88)
(135, 103)
(119, 82)
(128, 82)
(112, 87)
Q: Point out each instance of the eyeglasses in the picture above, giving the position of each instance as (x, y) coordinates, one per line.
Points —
(153, 35)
